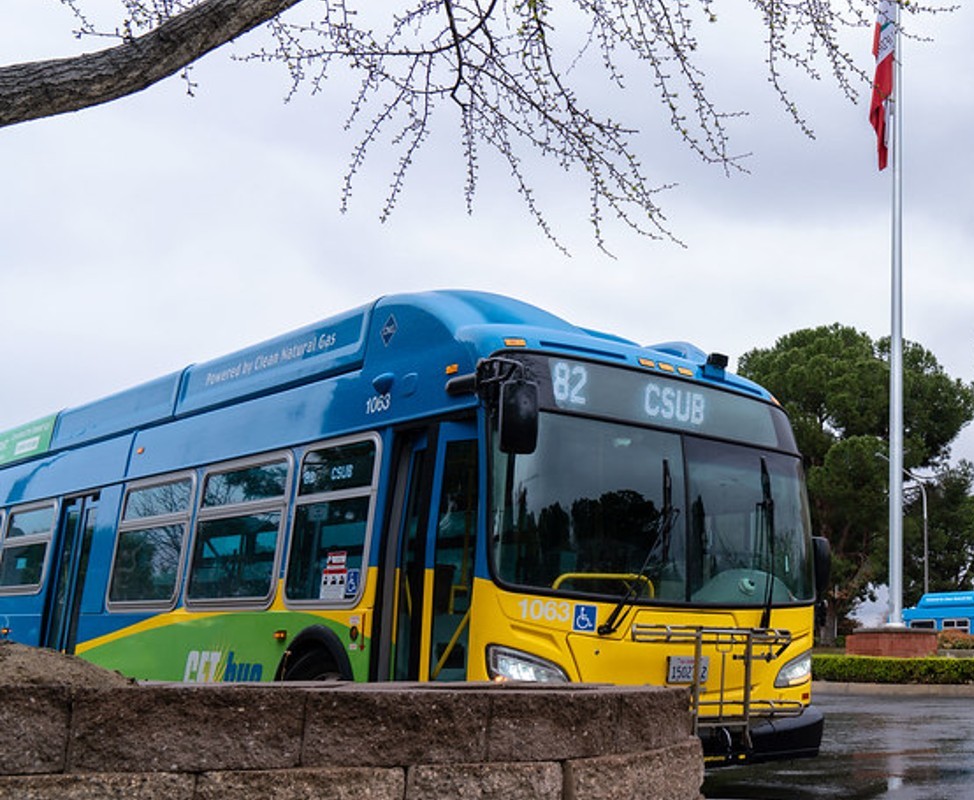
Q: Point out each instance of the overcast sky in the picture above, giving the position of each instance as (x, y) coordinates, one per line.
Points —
(162, 230)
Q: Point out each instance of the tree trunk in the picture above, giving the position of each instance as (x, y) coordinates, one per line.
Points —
(45, 88)
(827, 621)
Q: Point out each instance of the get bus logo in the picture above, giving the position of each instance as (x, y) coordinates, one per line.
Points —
(213, 666)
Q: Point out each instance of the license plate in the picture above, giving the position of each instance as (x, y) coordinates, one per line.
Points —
(679, 669)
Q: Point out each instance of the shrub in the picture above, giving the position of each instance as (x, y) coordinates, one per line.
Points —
(871, 669)
(955, 640)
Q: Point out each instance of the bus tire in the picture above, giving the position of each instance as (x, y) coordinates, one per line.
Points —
(316, 654)
(315, 665)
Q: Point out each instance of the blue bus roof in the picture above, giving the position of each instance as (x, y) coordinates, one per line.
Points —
(464, 325)
(935, 600)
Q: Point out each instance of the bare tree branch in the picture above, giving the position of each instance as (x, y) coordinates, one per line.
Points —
(46, 88)
(514, 76)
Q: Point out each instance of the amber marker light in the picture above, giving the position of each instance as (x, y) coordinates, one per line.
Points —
(647, 362)
(139, 451)
(515, 341)
(280, 635)
(452, 369)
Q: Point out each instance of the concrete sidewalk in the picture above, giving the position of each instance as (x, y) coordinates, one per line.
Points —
(901, 689)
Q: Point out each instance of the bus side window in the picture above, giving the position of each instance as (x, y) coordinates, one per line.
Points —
(235, 548)
(149, 547)
(328, 543)
(24, 550)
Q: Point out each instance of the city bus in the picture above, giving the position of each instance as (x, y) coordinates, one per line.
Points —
(942, 611)
(440, 486)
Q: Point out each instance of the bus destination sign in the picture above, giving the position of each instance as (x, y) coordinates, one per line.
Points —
(648, 398)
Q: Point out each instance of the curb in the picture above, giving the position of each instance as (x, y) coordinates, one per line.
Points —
(901, 689)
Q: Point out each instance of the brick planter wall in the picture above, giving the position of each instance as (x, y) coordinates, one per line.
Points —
(345, 741)
(892, 643)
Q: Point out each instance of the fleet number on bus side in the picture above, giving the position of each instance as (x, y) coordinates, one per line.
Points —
(378, 403)
(547, 610)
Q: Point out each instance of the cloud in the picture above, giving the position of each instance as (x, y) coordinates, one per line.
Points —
(162, 230)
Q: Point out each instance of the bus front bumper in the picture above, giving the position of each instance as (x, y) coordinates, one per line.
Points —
(771, 740)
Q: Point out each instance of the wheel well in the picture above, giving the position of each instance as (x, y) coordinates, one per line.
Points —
(319, 639)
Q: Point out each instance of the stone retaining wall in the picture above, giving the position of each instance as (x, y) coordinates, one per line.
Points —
(347, 741)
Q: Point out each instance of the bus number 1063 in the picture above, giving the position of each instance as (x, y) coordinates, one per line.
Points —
(547, 610)
(378, 403)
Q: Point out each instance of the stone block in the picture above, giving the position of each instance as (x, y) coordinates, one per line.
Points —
(329, 783)
(551, 724)
(496, 781)
(125, 786)
(390, 725)
(673, 773)
(650, 717)
(193, 729)
(33, 729)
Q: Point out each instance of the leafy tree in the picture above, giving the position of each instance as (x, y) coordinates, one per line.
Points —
(950, 533)
(510, 71)
(834, 382)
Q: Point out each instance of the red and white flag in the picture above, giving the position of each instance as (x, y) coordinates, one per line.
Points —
(884, 40)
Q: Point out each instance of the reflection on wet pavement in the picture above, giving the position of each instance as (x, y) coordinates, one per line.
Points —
(896, 747)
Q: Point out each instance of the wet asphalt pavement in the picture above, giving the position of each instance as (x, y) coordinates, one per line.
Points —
(896, 746)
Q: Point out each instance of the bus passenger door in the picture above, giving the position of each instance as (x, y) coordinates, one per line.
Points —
(69, 565)
(429, 561)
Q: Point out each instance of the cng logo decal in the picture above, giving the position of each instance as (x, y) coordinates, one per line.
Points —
(388, 330)
(584, 618)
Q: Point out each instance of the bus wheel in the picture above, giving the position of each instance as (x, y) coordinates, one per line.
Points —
(315, 665)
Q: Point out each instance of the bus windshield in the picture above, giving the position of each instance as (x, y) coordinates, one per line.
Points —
(605, 508)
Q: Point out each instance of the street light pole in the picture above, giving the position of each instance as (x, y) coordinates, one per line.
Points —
(926, 542)
(921, 484)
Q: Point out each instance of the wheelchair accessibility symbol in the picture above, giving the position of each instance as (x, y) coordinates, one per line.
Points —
(584, 618)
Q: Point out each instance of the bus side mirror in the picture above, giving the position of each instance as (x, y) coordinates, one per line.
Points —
(518, 416)
(822, 554)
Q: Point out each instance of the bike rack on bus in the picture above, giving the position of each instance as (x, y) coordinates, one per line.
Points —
(744, 645)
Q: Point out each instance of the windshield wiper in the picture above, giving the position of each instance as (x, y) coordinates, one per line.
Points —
(767, 506)
(663, 527)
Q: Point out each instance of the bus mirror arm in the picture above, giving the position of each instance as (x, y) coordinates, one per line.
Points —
(501, 383)
(484, 380)
(462, 384)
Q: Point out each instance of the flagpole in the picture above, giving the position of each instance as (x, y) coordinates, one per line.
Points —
(896, 349)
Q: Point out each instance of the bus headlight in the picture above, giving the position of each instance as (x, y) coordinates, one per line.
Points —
(796, 671)
(507, 664)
